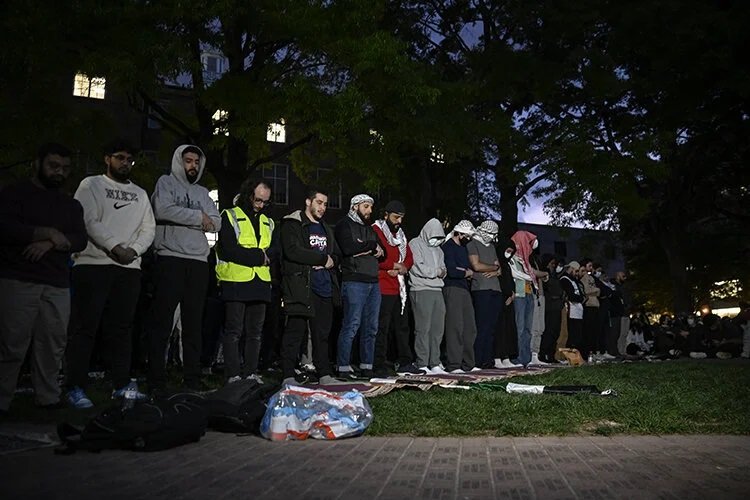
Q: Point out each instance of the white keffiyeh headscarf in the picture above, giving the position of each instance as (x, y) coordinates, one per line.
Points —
(397, 240)
(486, 233)
(356, 200)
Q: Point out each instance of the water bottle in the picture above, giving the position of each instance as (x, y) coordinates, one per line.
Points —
(130, 395)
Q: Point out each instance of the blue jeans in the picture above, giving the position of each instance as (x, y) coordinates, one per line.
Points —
(488, 306)
(361, 303)
(524, 307)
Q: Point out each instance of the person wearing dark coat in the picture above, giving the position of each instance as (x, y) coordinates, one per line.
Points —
(309, 285)
(506, 338)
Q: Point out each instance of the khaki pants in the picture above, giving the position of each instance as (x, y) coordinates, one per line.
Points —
(32, 315)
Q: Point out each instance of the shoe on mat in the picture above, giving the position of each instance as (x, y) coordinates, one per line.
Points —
(410, 369)
(438, 370)
(77, 399)
(474, 370)
(457, 371)
(326, 380)
(698, 355)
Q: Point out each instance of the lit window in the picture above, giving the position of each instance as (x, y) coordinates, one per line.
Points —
(333, 187)
(220, 118)
(83, 86)
(436, 156)
(276, 132)
(212, 237)
(277, 175)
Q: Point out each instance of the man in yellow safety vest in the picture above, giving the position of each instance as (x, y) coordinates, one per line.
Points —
(244, 255)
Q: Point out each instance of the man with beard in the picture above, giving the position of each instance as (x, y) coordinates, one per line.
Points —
(107, 274)
(460, 325)
(184, 212)
(360, 292)
(590, 309)
(41, 226)
(244, 253)
(393, 268)
(309, 284)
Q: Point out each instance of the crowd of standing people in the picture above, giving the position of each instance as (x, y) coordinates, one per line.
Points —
(372, 302)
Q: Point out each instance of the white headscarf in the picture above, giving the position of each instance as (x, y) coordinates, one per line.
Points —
(486, 233)
(356, 200)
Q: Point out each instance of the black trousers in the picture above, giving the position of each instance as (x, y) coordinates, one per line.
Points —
(391, 316)
(213, 319)
(108, 295)
(552, 325)
(591, 329)
(242, 318)
(575, 334)
(295, 334)
(506, 334)
(184, 282)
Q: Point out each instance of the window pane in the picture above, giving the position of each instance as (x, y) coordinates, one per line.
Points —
(276, 132)
(81, 85)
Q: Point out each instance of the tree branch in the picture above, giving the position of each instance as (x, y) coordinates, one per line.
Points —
(531, 183)
(280, 153)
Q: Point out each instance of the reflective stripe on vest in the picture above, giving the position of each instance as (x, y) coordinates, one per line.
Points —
(245, 233)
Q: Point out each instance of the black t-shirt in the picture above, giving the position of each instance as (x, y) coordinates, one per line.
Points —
(321, 278)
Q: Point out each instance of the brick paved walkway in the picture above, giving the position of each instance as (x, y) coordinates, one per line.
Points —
(223, 465)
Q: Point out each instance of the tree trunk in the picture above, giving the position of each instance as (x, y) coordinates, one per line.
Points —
(671, 244)
(508, 208)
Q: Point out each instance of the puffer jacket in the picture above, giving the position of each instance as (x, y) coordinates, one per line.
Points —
(357, 243)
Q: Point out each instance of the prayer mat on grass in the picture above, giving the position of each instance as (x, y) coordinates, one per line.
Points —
(379, 387)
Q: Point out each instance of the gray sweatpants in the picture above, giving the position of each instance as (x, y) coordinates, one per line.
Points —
(428, 307)
(537, 324)
(32, 313)
(623, 325)
(460, 328)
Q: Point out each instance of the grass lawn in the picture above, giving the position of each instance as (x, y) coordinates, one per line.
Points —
(676, 397)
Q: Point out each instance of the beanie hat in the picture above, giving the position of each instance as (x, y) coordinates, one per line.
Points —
(395, 207)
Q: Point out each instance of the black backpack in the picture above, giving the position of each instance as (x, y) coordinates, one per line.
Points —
(238, 406)
(148, 426)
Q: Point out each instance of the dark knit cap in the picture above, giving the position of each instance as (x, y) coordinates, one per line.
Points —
(395, 207)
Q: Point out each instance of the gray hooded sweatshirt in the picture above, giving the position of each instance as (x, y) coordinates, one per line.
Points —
(428, 258)
(178, 209)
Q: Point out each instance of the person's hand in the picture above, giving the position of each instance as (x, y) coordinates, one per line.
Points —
(207, 224)
(468, 274)
(58, 239)
(442, 272)
(266, 260)
(329, 263)
(36, 250)
(509, 300)
(378, 252)
(491, 274)
(392, 273)
(400, 268)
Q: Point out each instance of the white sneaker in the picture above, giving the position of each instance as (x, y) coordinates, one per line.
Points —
(425, 369)
(236, 378)
(698, 355)
(457, 371)
(475, 369)
(535, 361)
(607, 357)
(507, 363)
(723, 355)
(438, 370)
(309, 367)
(499, 363)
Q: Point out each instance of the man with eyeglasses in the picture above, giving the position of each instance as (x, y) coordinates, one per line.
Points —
(107, 273)
(244, 254)
(184, 212)
(41, 226)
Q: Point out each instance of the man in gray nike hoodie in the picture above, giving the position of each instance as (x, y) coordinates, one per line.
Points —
(184, 212)
(426, 295)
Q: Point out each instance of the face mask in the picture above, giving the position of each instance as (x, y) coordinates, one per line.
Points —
(559, 269)
(535, 245)
(508, 254)
(435, 241)
(597, 274)
(690, 322)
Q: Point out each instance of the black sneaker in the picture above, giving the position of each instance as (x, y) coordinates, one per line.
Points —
(346, 376)
(410, 369)
(366, 374)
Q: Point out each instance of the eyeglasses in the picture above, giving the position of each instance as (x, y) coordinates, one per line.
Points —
(124, 159)
(258, 201)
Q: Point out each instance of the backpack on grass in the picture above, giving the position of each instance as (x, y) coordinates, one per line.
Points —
(238, 406)
(148, 426)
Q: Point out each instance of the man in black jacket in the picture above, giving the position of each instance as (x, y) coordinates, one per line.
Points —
(360, 291)
(309, 284)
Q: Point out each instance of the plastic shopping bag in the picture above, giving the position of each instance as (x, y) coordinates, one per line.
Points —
(301, 413)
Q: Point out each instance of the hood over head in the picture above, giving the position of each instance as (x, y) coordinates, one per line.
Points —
(432, 232)
(178, 170)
